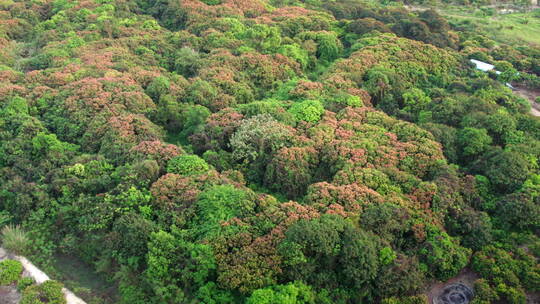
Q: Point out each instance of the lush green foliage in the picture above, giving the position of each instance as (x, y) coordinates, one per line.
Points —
(267, 151)
(443, 257)
(292, 293)
(187, 165)
(15, 240)
(10, 271)
(48, 292)
(23, 283)
(507, 274)
(308, 110)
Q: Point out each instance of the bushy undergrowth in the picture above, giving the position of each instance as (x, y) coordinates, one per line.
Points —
(23, 283)
(48, 292)
(15, 240)
(10, 271)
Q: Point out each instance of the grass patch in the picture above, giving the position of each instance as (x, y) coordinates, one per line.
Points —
(14, 239)
(520, 27)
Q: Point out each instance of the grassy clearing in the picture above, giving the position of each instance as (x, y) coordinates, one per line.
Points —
(509, 27)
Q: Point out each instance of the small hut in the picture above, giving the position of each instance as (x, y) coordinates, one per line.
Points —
(484, 66)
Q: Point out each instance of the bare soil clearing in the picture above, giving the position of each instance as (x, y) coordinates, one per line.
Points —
(530, 95)
(9, 295)
(465, 277)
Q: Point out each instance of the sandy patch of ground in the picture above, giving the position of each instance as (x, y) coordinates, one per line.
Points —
(9, 295)
(465, 277)
(533, 298)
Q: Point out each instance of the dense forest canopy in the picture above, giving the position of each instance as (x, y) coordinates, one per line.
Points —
(268, 151)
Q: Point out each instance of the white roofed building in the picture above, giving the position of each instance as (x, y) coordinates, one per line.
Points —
(484, 66)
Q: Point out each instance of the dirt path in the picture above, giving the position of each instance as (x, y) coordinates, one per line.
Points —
(9, 295)
(531, 96)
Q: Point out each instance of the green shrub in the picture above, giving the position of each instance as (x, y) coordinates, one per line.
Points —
(307, 110)
(443, 255)
(5, 217)
(342, 100)
(187, 165)
(15, 240)
(159, 86)
(483, 292)
(49, 292)
(473, 141)
(294, 292)
(219, 204)
(420, 299)
(295, 52)
(187, 61)
(22, 283)
(212, 2)
(10, 270)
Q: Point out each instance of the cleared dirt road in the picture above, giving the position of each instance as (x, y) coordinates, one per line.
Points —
(531, 96)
